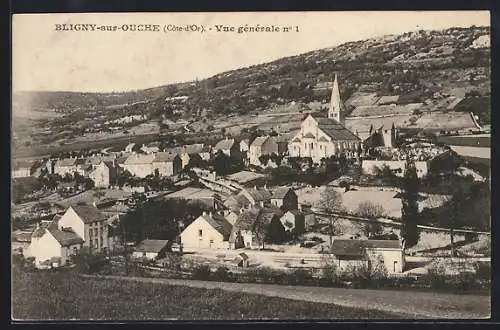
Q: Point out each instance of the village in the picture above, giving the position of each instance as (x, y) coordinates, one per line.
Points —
(322, 196)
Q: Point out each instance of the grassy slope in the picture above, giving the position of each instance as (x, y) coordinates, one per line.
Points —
(61, 295)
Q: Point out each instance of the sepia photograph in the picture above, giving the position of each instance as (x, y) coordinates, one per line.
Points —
(251, 166)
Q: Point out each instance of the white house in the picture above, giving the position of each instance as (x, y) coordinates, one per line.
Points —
(53, 246)
(357, 252)
(150, 248)
(208, 231)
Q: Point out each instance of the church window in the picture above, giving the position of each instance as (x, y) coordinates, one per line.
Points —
(312, 146)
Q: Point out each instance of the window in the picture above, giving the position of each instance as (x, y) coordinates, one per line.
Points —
(312, 146)
(200, 232)
(211, 241)
(395, 263)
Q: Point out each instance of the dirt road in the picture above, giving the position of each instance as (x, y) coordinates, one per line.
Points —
(408, 304)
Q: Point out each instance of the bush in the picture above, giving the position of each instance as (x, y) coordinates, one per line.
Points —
(221, 274)
(202, 272)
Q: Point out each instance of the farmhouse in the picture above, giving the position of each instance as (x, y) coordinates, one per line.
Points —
(150, 249)
(51, 244)
(103, 174)
(79, 226)
(255, 196)
(324, 137)
(228, 146)
(355, 253)
(167, 163)
(139, 165)
(69, 165)
(285, 198)
(22, 169)
(209, 231)
(262, 145)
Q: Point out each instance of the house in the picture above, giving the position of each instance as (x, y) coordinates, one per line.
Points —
(139, 165)
(69, 165)
(51, 243)
(103, 174)
(285, 198)
(262, 145)
(201, 195)
(206, 153)
(357, 252)
(249, 230)
(253, 196)
(209, 231)
(227, 147)
(293, 221)
(321, 137)
(132, 147)
(167, 163)
(22, 169)
(89, 223)
(150, 249)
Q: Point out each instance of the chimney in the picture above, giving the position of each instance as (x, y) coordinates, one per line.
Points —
(210, 214)
(204, 213)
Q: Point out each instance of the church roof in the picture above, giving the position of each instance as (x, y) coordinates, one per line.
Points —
(335, 130)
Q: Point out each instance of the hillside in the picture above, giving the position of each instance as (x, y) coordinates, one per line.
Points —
(414, 66)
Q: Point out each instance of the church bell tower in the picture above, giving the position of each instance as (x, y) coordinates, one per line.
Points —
(335, 108)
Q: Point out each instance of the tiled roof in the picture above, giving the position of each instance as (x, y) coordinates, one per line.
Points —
(88, 213)
(220, 224)
(152, 245)
(224, 144)
(351, 247)
(164, 157)
(139, 159)
(280, 192)
(335, 130)
(65, 237)
(66, 162)
(258, 194)
(259, 141)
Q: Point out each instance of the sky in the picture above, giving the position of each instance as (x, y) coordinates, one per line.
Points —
(103, 61)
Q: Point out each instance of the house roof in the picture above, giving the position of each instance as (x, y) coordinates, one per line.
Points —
(130, 146)
(22, 165)
(224, 144)
(335, 130)
(280, 193)
(193, 148)
(246, 141)
(88, 213)
(259, 141)
(151, 245)
(164, 157)
(65, 237)
(351, 247)
(219, 223)
(259, 194)
(296, 213)
(66, 162)
(139, 159)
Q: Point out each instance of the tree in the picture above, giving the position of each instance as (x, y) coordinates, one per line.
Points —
(367, 209)
(264, 159)
(222, 163)
(331, 201)
(409, 211)
(276, 232)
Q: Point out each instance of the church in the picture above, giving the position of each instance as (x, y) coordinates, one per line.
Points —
(323, 137)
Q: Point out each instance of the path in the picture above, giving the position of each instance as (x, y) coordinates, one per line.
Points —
(409, 304)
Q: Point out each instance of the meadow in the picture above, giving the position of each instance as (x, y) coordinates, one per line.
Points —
(63, 295)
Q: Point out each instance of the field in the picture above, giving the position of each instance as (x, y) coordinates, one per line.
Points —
(61, 295)
(478, 140)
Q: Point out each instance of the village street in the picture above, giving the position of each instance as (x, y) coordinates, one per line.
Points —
(409, 304)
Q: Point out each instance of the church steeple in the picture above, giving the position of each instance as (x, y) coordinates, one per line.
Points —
(335, 109)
